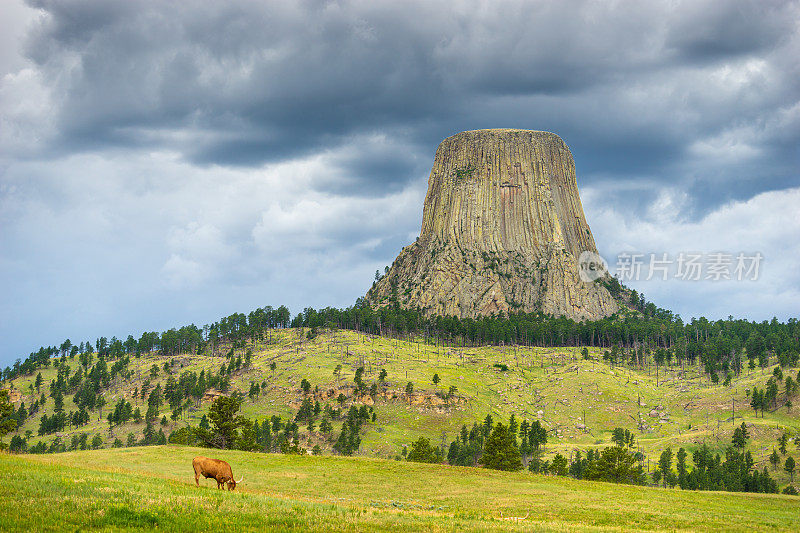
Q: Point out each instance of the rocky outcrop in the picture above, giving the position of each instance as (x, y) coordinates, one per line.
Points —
(502, 229)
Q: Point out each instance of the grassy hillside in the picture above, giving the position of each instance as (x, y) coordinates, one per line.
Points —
(149, 487)
(555, 385)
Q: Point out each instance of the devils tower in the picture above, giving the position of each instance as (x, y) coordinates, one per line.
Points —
(502, 230)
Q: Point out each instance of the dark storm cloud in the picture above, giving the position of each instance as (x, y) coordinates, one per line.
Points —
(249, 83)
(377, 167)
(280, 80)
(706, 31)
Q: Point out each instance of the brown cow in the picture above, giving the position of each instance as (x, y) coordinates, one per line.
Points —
(216, 469)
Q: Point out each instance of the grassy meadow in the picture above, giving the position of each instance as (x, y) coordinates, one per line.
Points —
(153, 487)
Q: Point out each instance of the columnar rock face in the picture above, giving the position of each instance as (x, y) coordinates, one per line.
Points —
(502, 229)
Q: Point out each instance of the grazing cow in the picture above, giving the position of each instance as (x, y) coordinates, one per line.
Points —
(216, 469)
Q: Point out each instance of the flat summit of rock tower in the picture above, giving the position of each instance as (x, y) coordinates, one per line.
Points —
(502, 230)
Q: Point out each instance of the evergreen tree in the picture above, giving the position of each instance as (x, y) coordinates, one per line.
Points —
(149, 436)
(224, 423)
(770, 395)
(58, 399)
(18, 444)
(349, 440)
(358, 379)
(740, 436)
(616, 464)
(151, 414)
(8, 421)
(775, 459)
(665, 465)
(681, 466)
(757, 400)
(783, 440)
(423, 452)
(248, 438)
(306, 411)
(622, 437)
(559, 466)
(325, 426)
(500, 451)
(467, 447)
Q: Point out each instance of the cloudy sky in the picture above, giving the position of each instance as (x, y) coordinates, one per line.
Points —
(163, 163)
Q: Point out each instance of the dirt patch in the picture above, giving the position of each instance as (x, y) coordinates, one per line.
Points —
(14, 395)
(212, 394)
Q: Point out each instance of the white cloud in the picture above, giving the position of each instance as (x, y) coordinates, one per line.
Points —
(131, 241)
(768, 223)
(26, 113)
(180, 272)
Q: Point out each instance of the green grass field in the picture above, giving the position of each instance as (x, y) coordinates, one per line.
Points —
(554, 385)
(153, 487)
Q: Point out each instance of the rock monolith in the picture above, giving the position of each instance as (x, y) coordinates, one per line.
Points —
(502, 230)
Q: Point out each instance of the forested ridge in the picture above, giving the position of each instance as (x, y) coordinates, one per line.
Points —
(640, 334)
